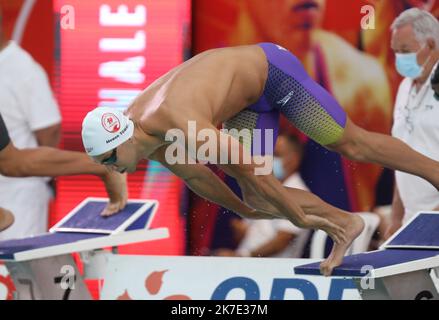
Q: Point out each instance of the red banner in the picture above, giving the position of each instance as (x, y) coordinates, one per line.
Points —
(107, 53)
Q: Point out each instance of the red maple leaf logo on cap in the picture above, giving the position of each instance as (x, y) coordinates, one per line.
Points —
(110, 122)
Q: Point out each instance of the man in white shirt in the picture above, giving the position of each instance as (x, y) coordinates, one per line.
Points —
(46, 161)
(32, 118)
(274, 238)
(415, 41)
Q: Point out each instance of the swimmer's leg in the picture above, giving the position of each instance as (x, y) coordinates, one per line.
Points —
(266, 194)
(265, 187)
(311, 109)
(313, 208)
(262, 191)
(315, 112)
(351, 223)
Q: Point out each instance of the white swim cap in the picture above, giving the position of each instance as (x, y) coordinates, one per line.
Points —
(103, 129)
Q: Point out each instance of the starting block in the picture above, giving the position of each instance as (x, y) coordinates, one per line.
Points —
(42, 266)
(401, 269)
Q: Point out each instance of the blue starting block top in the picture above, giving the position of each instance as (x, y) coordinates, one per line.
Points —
(86, 217)
(381, 261)
(10, 247)
(421, 232)
(413, 247)
(85, 229)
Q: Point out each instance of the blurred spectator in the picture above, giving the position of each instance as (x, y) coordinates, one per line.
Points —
(277, 237)
(377, 41)
(415, 41)
(32, 118)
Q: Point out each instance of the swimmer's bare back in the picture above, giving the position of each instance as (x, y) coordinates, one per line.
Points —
(211, 87)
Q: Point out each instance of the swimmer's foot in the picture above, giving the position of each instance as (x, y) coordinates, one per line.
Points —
(6, 219)
(353, 229)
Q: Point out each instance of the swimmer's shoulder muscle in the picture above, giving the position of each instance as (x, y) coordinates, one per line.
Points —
(200, 89)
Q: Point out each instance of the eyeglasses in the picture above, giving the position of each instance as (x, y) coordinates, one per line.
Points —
(112, 159)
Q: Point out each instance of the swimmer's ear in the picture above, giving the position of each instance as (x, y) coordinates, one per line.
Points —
(431, 44)
(130, 140)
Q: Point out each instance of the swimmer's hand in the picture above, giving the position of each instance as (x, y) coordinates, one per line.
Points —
(116, 186)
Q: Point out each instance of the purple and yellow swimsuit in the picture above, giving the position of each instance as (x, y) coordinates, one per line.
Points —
(289, 90)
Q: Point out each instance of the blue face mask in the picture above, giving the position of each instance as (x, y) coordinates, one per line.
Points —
(278, 168)
(407, 65)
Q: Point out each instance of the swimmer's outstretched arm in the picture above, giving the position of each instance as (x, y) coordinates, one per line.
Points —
(265, 191)
(51, 162)
(201, 180)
